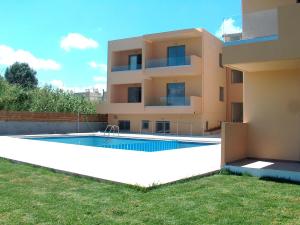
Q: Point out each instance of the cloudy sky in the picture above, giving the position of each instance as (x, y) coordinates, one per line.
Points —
(66, 40)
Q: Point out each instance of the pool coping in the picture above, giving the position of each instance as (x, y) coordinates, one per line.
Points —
(130, 167)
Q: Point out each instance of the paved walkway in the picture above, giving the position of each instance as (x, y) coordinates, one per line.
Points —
(130, 167)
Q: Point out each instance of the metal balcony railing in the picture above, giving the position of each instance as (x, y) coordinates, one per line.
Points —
(168, 62)
(126, 67)
(171, 101)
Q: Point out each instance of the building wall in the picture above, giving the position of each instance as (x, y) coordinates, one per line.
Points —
(272, 111)
(157, 87)
(214, 77)
(234, 94)
(250, 6)
(159, 48)
(186, 123)
(119, 93)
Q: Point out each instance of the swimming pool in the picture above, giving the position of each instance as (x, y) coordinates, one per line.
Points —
(145, 145)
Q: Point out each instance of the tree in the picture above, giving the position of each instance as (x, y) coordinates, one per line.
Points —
(21, 74)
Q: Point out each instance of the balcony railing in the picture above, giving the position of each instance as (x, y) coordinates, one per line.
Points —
(126, 68)
(258, 26)
(168, 62)
(171, 101)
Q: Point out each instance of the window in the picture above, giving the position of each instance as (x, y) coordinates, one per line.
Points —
(135, 62)
(134, 94)
(237, 112)
(236, 77)
(163, 127)
(124, 125)
(145, 124)
(221, 60)
(221, 94)
(176, 55)
(176, 94)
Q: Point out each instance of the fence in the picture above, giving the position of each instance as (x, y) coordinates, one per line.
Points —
(178, 128)
(22, 123)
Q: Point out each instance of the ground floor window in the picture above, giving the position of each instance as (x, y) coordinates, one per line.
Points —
(237, 112)
(162, 127)
(124, 125)
(145, 124)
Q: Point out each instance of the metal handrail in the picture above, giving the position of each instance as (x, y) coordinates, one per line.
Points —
(111, 128)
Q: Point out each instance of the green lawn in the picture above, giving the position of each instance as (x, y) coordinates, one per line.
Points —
(31, 195)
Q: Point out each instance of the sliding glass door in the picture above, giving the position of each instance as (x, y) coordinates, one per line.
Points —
(176, 94)
(176, 55)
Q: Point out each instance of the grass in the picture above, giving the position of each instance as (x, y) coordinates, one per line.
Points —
(31, 195)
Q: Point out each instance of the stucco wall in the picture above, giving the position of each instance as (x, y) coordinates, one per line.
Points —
(119, 93)
(250, 6)
(214, 77)
(157, 87)
(234, 94)
(234, 142)
(185, 122)
(158, 50)
(272, 111)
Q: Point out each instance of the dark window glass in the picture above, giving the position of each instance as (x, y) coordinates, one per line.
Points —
(221, 95)
(134, 94)
(221, 60)
(237, 77)
(124, 125)
(135, 62)
(145, 124)
(176, 94)
(176, 55)
(237, 112)
(162, 126)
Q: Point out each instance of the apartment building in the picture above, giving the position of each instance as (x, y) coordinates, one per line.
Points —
(172, 82)
(269, 55)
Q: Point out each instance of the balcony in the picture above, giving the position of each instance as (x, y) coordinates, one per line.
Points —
(270, 41)
(120, 108)
(179, 66)
(261, 26)
(175, 105)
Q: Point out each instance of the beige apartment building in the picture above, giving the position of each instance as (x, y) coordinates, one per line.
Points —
(172, 82)
(269, 55)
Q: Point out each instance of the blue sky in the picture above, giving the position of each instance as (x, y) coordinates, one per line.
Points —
(66, 40)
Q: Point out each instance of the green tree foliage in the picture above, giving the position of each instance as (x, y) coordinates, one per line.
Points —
(47, 99)
(21, 74)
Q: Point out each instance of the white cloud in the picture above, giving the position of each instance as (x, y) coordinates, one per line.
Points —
(9, 56)
(77, 41)
(228, 27)
(101, 66)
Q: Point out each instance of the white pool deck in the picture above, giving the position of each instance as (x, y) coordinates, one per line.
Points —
(130, 167)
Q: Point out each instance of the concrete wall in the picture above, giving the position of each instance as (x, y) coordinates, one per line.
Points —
(234, 142)
(234, 94)
(157, 88)
(28, 127)
(272, 110)
(250, 6)
(214, 77)
(185, 122)
(119, 93)
(159, 49)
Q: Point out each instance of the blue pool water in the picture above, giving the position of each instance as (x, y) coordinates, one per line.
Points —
(124, 143)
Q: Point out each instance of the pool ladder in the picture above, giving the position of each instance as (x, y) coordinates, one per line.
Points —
(112, 129)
